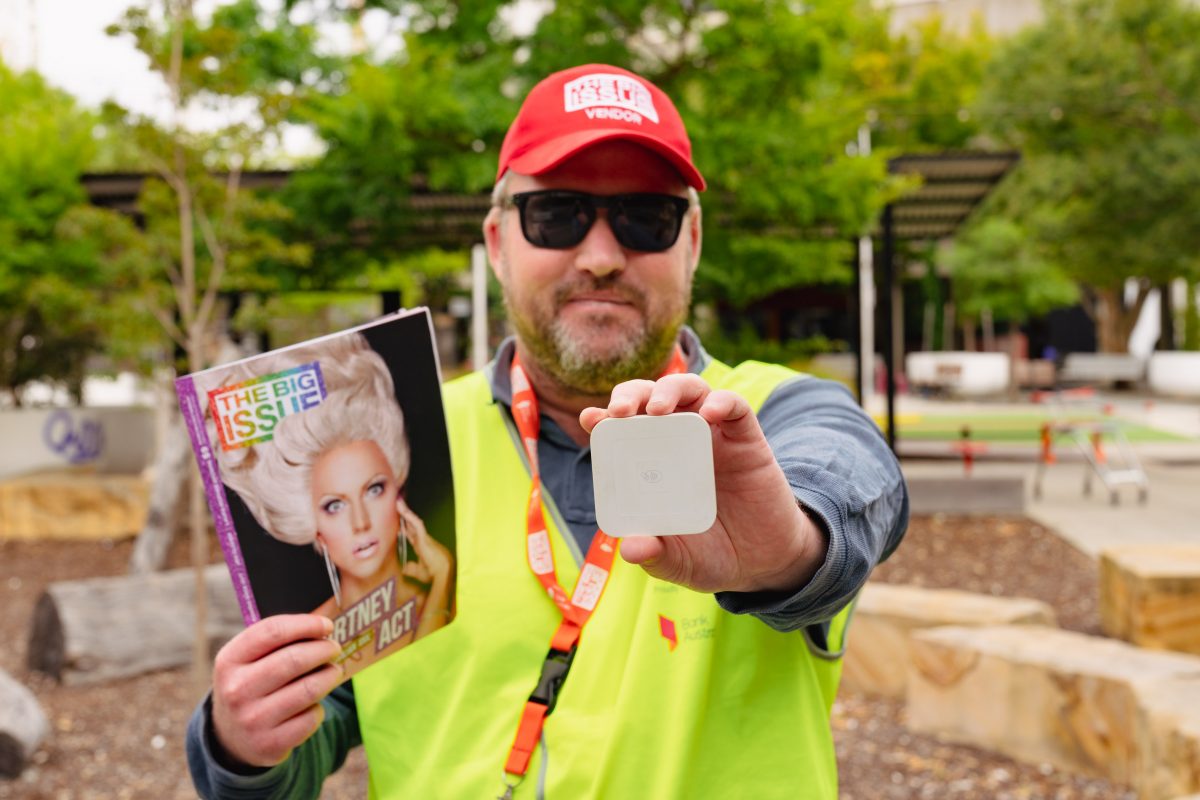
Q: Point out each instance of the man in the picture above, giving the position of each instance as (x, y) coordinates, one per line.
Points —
(655, 688)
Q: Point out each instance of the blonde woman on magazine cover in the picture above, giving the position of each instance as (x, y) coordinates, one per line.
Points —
(333, 477)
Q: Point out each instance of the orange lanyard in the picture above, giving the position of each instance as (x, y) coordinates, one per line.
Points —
(577, 608)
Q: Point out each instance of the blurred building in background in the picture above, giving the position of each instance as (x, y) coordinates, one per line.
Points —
(999, 17)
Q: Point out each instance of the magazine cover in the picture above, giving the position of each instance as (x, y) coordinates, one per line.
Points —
(327, 470)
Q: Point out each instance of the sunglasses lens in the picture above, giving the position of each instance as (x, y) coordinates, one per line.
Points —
(559, 220)
(647, 222)
(556, 221)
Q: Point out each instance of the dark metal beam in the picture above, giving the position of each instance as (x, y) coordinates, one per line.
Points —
(889, 358)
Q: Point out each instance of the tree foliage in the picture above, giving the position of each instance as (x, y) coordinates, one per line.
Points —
(925, 83)
(1104, 99)
(996, 267)
(770, 92)
(207, 233)
(411, 125)
(63, 264)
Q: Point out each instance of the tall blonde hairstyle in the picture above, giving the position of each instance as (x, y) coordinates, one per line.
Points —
(274, 478)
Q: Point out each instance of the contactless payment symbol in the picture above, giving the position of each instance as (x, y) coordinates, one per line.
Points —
(666, 627)
(650, 473)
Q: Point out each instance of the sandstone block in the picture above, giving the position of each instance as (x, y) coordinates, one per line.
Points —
(72, 505)
(1168, 737)
(878, 652)
(1038, 694)
(1150, 595)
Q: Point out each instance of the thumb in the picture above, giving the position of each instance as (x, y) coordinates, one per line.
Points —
(589, 418)
(648, 552)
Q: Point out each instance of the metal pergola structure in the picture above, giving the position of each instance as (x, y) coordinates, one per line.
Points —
(438, 219)
(952, 186)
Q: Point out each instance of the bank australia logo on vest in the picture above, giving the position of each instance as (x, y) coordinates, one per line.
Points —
(605, 96)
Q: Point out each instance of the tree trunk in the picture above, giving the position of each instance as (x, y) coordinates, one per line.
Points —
(927, 322)
(1014, 352)
(23, 726)
(101, 629)
(1166, 318)
(1191, 318)
(1115, 321)
(166, 500)
(1107, 316)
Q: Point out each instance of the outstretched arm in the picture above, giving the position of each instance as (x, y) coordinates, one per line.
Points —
(761, 541)
(844, 475)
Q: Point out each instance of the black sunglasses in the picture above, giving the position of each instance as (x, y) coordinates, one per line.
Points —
(560, 219)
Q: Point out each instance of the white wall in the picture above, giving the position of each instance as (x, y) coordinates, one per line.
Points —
(116, 440)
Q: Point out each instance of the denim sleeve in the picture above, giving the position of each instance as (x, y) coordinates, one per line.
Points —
(844, 475)
(301, 775)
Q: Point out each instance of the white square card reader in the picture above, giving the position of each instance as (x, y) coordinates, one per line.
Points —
(653, 476)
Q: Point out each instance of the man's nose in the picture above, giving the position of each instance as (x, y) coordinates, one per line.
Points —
(600, 253)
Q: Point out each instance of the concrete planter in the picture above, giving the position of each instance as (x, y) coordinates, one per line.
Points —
(959, 373)
(1175, 373)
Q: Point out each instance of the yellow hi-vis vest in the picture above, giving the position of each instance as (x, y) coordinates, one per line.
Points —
(669, 696)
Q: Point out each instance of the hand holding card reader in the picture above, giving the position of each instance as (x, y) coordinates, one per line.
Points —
(653, 476)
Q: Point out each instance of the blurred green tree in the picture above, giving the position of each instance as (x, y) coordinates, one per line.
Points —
(205, 232)
(771, 93)
(1104, 100)
(925, 83)
(997, 269)
(65, 267)
(248, 68)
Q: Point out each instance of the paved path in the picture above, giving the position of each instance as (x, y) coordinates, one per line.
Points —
(1170, 514)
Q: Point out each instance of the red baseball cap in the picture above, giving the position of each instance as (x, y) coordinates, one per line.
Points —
(582, 106)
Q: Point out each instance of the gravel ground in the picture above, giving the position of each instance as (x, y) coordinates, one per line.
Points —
(125, 739)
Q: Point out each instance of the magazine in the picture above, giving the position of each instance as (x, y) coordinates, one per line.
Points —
(327, 471)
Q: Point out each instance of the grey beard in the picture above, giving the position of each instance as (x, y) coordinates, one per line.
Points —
(565, 360)
(642, 356)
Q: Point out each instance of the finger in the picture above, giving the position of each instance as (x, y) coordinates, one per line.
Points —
(268, 747)
(676, 393)
(411, 517)
(417, 570)
(295, 731)
(732, 413)
(271, 633)
(298, 696)
(629, 398)
(276, 670)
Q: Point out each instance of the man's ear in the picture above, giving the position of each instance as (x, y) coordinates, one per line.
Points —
(695, 233)
(492, 236)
